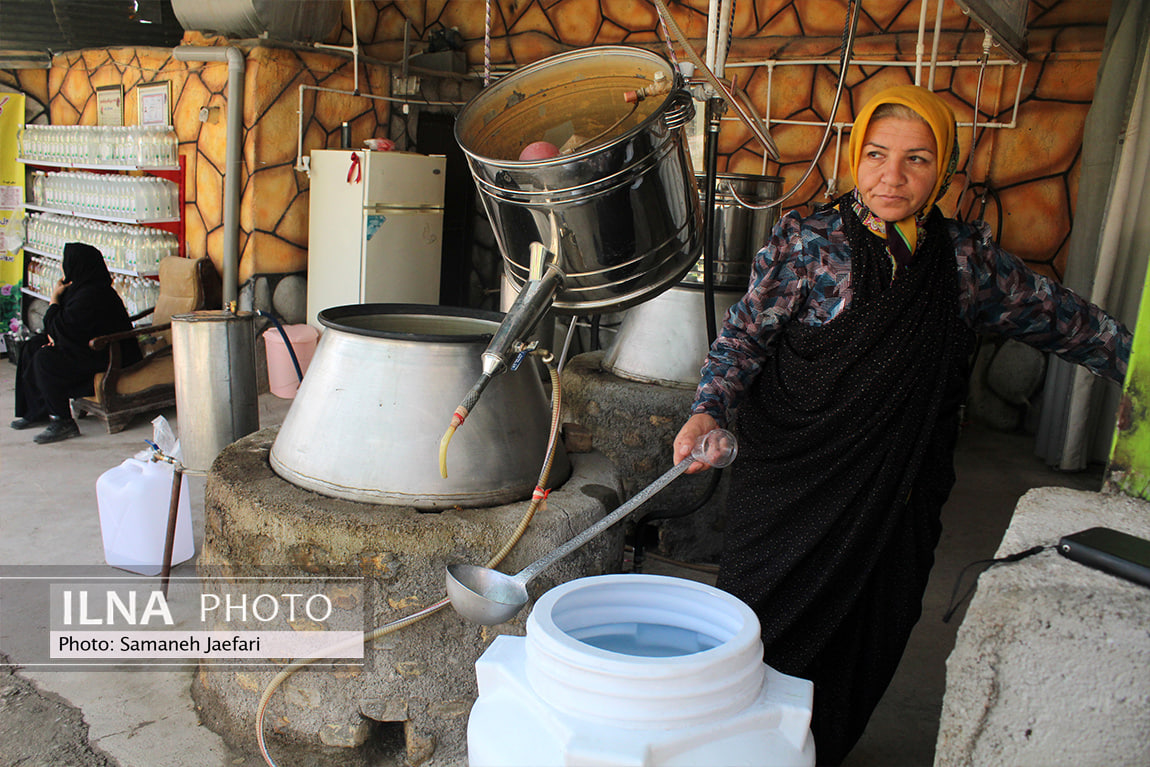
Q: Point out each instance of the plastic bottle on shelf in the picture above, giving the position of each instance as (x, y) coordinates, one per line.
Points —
(174, 196)
(168, 197)
(140, 140)
(172, 146)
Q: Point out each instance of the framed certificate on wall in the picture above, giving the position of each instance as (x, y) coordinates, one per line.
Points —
(155, 103)
(110, 105)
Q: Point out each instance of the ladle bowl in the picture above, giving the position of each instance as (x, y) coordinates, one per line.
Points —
(488, 597)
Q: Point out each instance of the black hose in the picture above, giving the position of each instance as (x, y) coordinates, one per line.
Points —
(710, 235)
(287, 341)
(710, 253)
(637, 544)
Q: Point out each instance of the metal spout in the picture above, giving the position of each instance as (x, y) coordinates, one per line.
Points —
(510, 340)
(529, 307)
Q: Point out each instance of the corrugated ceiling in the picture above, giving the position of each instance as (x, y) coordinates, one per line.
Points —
(53, 26)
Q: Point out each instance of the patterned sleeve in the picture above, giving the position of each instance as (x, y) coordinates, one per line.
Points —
(777, 290)
(1000, 294)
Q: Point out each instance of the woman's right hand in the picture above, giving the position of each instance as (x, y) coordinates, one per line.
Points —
(58, 290)
(688, 436)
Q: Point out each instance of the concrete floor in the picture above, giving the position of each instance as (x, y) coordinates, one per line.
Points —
(48, 515)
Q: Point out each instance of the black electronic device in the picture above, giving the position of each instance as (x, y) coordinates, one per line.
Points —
(1121, 554)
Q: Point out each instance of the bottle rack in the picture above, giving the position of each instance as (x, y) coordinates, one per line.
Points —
(95, 207)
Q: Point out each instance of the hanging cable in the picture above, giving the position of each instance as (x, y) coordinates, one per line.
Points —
(987, 43)
(487, 45)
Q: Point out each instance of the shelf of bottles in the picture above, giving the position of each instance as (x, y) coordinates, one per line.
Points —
(135, 251)
(118, 188)
(127, 199)
(137, 293)
(108, 147)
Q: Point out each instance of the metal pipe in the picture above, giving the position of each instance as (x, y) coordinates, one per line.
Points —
(845, 63)
(749, 119)
(355, 46)
(934, 45)
(712, 32)
(826, 61)
(532, 303)
(723, 36)
(920, 45)
(232, 164)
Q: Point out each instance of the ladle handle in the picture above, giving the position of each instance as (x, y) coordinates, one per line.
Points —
(717, 447)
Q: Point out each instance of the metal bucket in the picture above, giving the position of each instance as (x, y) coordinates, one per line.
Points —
(742, 231)
(217, 401)
(622, 211)
(380, 391)
(664, 341)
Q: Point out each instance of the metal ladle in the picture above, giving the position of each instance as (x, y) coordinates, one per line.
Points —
(489, 597)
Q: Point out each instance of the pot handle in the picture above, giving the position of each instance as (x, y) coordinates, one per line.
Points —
(680, 109)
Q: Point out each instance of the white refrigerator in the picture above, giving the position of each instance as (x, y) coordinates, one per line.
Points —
(375, 228)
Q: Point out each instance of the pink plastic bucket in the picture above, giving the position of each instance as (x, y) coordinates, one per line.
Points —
(282, 378)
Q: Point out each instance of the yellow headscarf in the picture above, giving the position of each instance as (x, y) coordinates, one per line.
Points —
(938, 116)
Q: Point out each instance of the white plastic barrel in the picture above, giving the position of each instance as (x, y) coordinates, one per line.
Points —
(283, 381)
(134, 499)
(637, 670)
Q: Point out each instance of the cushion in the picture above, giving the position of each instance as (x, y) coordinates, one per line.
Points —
(140, 377)
(179, 288)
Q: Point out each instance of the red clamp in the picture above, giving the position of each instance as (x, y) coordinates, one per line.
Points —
(354, 168)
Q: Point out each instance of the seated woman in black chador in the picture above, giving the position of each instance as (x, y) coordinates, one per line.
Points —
(58, 364)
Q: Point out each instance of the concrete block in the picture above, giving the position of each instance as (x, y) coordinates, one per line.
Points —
(1050, 663)
(982, 403)
(418, 683)
(289, 299)
(1015, 373)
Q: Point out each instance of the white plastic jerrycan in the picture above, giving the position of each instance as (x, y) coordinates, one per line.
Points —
(637, 670)
(134, 499)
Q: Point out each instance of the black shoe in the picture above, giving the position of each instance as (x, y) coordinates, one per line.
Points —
(59, 429)
(27, 423)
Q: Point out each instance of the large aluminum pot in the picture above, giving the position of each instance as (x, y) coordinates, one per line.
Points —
(741, 232)
(380, 391)
(217, 401)
(664, 341)
(621, 210)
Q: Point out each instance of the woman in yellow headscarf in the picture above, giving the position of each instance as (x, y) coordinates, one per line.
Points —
(843, 369)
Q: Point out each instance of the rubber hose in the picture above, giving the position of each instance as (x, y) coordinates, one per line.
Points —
(287, 342)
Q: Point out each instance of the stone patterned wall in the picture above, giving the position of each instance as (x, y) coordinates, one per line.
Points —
(1024, 176)
(1028, 172)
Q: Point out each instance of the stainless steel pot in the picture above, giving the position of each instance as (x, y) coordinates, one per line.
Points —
(367, 420)
(741, 231)
(621, 211)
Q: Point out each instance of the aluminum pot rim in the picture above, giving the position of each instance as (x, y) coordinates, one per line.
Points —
(332, 316)
(490, 92)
